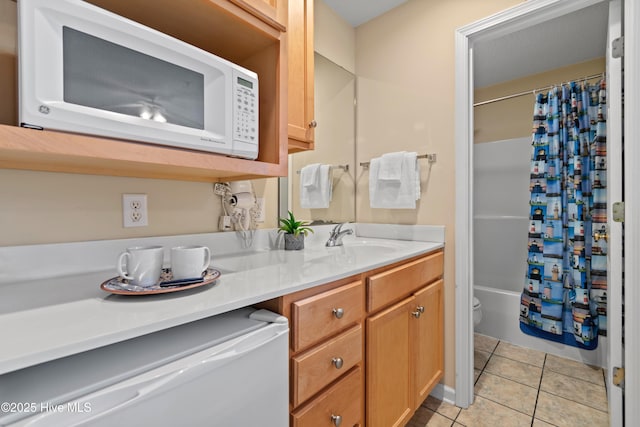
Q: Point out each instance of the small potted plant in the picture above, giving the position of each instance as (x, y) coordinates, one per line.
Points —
(294, 232)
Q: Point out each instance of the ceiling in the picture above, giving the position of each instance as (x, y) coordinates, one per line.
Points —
(566, 40)
(357, 12)
(537, 49)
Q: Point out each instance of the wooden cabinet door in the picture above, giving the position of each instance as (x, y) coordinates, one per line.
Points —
(300, 58)
(273, 12)
(428, 340)
(388, 366)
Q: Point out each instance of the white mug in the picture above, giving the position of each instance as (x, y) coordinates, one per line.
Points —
(143, 265)
(188, 262)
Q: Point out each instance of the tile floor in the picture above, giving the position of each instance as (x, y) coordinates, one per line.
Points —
(516, 386)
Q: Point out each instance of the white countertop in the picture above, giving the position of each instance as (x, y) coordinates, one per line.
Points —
(47, 318)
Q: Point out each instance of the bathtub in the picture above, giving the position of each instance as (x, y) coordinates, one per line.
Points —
(500, 314)
(500, 224)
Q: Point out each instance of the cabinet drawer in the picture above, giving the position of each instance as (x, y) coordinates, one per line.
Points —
(318, 367)
(344, 400)
(395, 284)
(325, 314)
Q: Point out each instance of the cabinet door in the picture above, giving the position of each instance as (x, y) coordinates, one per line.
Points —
(388, 366)
(428, 340)
(273, 12)
(300, 59)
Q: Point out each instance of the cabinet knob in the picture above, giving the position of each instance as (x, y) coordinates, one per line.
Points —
(420, 308)
(338, 312)
(416, 314)
(337, 362)
(336, 419)
(313, 124)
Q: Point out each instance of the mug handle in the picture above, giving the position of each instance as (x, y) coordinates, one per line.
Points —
(121, 258)
(207, 257)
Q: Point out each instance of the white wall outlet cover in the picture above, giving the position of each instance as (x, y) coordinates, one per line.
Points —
(260, 215)
(134, 210)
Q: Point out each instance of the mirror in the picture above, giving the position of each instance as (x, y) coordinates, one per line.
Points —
(335, 136)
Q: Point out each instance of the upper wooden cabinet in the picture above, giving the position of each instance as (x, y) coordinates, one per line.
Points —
(273, 12)
(300, 51)
(247, 32)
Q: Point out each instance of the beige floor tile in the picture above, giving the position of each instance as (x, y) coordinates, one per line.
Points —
(476, 374)
(480, 359)
(540, 423)
(484, 343)
(427, 418)
(575, 389)
(574, 369)
(566, 413)
(442, 408)
(516, 371)
(485, 413)
(521, 354)
(506, 392)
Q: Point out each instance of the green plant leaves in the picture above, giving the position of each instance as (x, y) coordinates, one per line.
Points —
(291, 226)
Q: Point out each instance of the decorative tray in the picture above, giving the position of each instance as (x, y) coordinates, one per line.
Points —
(120, 286)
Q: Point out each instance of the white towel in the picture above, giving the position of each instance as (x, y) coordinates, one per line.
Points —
(391, 194)
(310, 175)
(391, 166)
(317, 197)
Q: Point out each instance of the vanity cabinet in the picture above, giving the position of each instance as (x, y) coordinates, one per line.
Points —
(405, 342)
(367, 347)
(327, 349)
(302, 124)
(251, 33)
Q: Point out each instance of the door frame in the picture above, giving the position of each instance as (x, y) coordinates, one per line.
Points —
(632, 209)
(614, 188)
(503, 23)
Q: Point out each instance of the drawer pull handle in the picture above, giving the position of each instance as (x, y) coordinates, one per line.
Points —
(420, 308)
(313, 124)
(416, 314)
(336, 419)
(337, 362)
(338, 312)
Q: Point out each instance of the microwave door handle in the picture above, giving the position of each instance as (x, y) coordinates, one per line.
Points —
(103, 402)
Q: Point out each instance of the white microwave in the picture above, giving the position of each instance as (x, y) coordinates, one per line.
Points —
(86, 70)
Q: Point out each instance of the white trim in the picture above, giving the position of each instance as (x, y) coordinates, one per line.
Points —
(503, 23)
(614, 188)
(464, 225)
(444, 393)
(632, 210)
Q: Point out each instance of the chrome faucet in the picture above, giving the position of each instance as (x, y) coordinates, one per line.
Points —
(336, 235)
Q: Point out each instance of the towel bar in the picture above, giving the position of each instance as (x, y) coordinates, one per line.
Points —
(343, 167)
(431, 157)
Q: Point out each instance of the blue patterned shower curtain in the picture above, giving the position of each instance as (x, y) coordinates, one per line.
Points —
(565, 290)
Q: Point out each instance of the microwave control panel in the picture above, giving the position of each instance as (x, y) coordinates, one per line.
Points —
(245, 110)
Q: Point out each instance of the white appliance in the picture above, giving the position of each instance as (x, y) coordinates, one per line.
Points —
(86, 70)
(227, 370)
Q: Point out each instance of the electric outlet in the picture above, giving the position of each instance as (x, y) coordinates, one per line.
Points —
(134, 210)
(259, 216)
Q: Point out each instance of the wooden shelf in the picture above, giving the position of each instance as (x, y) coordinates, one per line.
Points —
(221, 27)
(62, 152)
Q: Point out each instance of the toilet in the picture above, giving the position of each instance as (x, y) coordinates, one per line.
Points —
(477, 312)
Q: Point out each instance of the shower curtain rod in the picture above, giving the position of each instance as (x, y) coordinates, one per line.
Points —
(530, 92)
